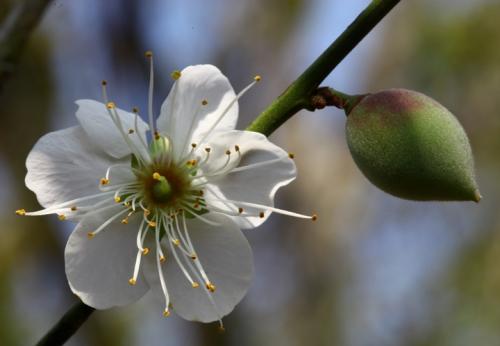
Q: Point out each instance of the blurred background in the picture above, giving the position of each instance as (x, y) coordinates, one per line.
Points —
(374, 270)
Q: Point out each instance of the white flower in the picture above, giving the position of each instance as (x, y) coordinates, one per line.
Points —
(164, 216)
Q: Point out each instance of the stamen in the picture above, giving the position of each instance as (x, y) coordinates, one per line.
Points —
(135, 110)
(193, 212)
(265, 207)
(291, 155)
(176, 74)
(255, 165)
(104, 181)
(107, 222)
(196, 261)
(228, 107)
(174, 252)
(117, 121)
(21, 212)
(211, 287)
(152, 128)
(160, 272)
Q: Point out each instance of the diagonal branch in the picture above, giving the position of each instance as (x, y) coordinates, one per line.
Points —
(15, 31)
(67, 325)
(297, 95)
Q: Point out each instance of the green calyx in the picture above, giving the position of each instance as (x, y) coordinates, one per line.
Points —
(412, 147)
(159, 145)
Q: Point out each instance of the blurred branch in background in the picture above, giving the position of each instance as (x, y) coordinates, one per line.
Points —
(15, 30)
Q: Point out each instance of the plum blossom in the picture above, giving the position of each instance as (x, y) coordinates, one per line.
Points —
(160, 206)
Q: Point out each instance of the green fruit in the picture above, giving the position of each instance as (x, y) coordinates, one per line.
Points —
(412, 147)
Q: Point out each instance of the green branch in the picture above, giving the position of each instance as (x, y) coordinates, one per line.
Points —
(297, 96)
(15, 31)
(67, 325)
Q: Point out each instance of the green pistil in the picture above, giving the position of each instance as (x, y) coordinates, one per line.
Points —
(162, 191)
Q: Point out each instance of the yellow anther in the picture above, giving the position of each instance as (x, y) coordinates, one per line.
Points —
(145, 251)
(90, 235)
(193, 257)
(162, 259)
(291, 155)
(61, 217)
(240, 210)
(210, 286)
(135, 110)
(117, 199)
(125, 221)
(314, 217)
(261, 214)
(21, 212)
(104, 82)
(175, 75)
(104, 181)
(194, 284)
(166, 313)
(257, 78)
(132, 281)
(157, 135)
(110, 105)
(127, 204)
(156, 176)
(193, 145)
(176, 242)
(228, 152)
(152, 224)
(204, 102)
(207, 149)
(148, 54)
(130, 131)
(237, 148)
(146, 212)
(73, 208)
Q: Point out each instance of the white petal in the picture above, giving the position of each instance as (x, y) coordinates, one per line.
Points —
(98, 269)
(65, 165)
(97, 123)
(183, 117)
(227, 258)
(255, 185)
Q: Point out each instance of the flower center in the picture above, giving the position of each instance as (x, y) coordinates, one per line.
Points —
(165, 184)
